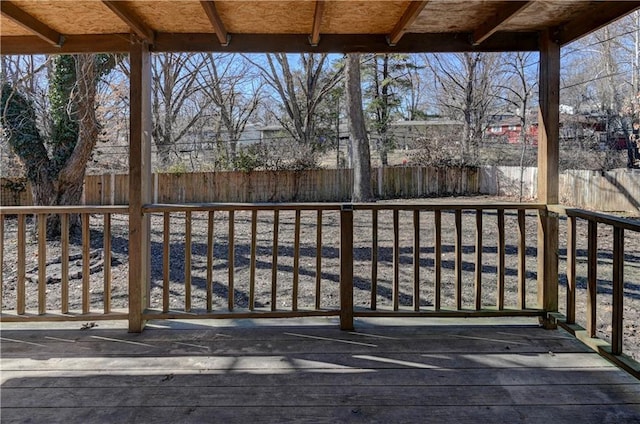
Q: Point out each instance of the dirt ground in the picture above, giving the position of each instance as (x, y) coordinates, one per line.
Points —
(329, 272)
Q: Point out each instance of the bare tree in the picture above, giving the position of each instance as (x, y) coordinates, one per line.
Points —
(466, 92)
(520, 87)
(358, 135)
(176, 107)
(301, 90)
(389, 76)
(229, 83)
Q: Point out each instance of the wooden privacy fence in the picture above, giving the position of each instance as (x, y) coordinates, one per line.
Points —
(611, 191)
(617, 190)
(320, 185)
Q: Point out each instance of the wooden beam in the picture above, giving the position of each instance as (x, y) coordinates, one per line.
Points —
(408, 17)
(113, 43)
(314, 38)
(346, 43)
(276, 43)
(490, 26)
(141, 29)
(139, 183)
(218, 26)
(28, 22)
(601, 14)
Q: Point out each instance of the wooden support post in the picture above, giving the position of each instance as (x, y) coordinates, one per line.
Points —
(548, 189)
(346, 267)
(139, 182)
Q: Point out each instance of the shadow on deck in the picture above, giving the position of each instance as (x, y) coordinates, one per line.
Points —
(409, 370)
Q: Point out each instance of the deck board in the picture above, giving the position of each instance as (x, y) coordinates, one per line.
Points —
(378, 373)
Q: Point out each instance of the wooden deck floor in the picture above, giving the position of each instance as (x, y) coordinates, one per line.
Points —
(244, 373)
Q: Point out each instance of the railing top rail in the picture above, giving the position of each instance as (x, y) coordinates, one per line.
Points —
(602, 218)
(202, 207)
(76, 209)
(447, 206)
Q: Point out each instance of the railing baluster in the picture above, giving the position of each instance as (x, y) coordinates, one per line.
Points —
(187, 261)
(296, 262)
(274, 259)
(396, 260)
(458, 258)
(86, 252)
(479, 247)
(416, 260)
(318, 257)
(21, 301)
(571, 270)
(64, 288)
(106, 267)
(437, 222)
(522, 260)
(374, 259)
(232, 259)
(501, 260)
(592, 278)
(618, 291)
(166, 260)
(252, 265)
(42, 264)
(210, 246)
(346, 267)
(1, 258)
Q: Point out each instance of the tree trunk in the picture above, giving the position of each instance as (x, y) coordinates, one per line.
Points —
(357, 133)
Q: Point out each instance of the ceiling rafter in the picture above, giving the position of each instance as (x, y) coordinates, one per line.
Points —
(218, 26)
(314, 38)
(606, 13)
(409, 16)
(31, 24)
(141, 29)
(506, 13)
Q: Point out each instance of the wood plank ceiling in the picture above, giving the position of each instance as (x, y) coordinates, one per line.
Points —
(41, 26)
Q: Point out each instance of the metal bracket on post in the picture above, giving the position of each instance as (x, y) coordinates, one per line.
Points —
(346, 267)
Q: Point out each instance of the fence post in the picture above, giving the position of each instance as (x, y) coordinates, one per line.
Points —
(346, 267)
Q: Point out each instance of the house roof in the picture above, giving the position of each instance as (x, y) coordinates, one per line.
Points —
(63, 26)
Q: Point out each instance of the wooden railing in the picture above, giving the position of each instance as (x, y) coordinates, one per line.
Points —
(241, 253)
(32, 297)
(229, 240)
(291, 260)
(474, 232)
(592, 314)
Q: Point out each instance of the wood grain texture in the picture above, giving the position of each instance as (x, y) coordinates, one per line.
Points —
(317, 373)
